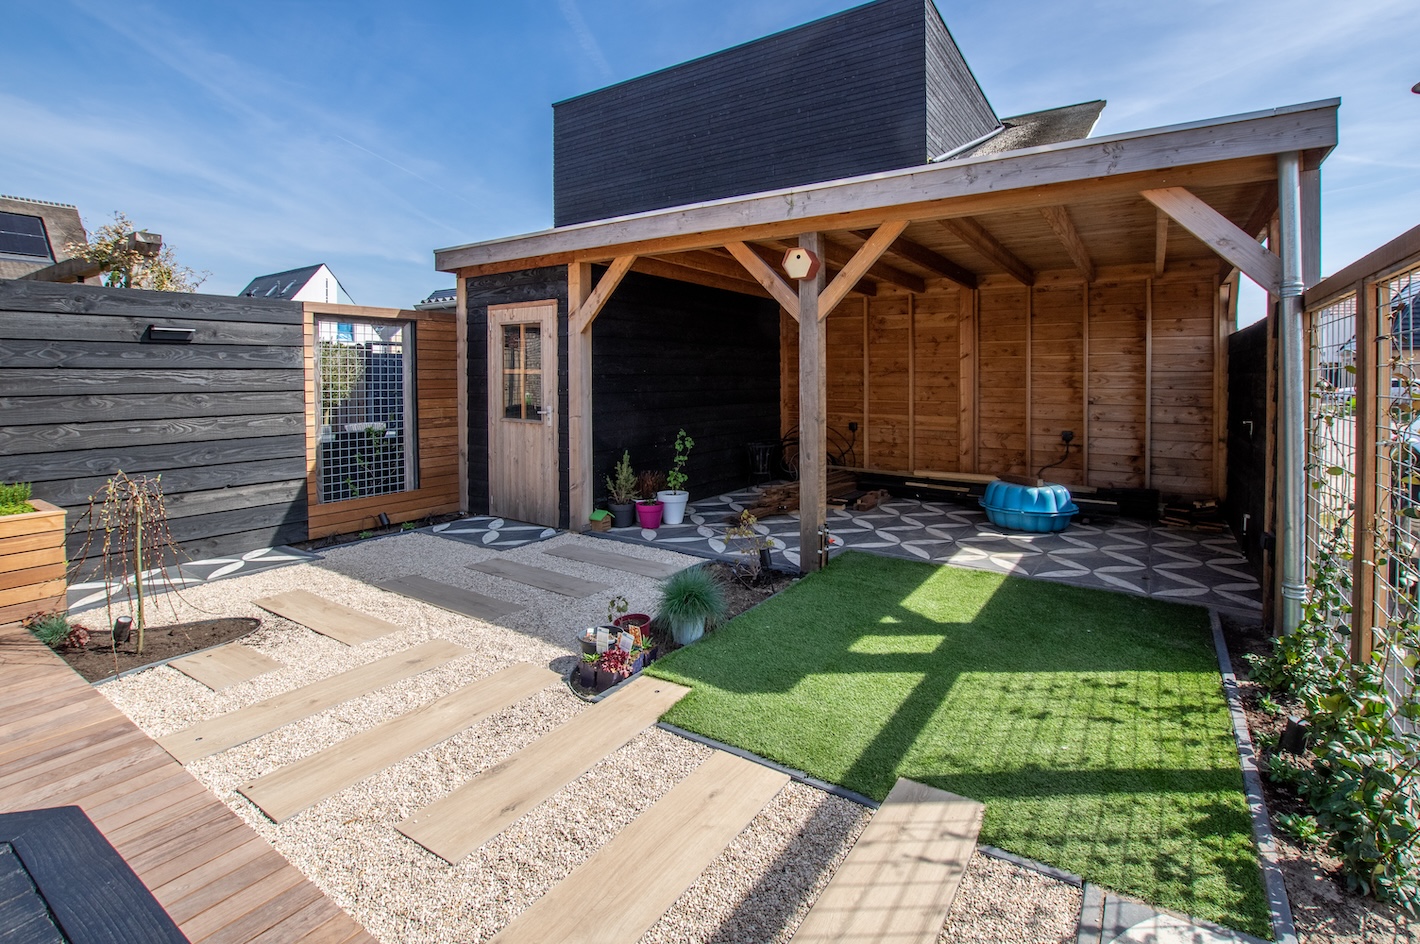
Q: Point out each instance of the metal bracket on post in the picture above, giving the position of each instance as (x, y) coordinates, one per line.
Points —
(823, 544)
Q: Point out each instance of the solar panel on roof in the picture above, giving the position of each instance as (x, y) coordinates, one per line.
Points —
(23, 235)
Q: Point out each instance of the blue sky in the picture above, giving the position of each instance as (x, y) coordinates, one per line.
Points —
(267, 135)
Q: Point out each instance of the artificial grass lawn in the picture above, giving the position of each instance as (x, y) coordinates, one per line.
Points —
(1091, 724)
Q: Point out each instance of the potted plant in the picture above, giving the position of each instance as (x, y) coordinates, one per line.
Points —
(747, 540)
(587, 670)
(617, 616)
(613, 666)
(621, 490)
(32, 557)
(675, 496)
(691, 600)
(648, 506)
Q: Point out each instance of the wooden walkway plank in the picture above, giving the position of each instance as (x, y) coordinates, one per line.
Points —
(540, 577)
(245, 724)
(285, 792)
(614, 561)
(225, 666)
(448, 597)
(327, 617)
(455, 825)
(899, 879)
(275, 897)
(665, 848)
(172, 860)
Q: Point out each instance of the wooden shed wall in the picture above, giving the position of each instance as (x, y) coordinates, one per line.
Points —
(956, 380)
(436, 423)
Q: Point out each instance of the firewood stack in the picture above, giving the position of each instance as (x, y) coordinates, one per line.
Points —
(783, 499)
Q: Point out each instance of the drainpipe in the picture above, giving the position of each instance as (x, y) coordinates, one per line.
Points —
(1292, 396)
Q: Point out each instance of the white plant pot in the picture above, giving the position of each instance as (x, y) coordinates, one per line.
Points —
(674, 502)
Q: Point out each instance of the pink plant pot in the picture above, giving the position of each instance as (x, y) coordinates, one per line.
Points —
(649, 514)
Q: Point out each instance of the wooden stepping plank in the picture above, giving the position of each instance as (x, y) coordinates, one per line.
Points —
(541, 578)
(237, 727)
(447, 597)
(327, 617)
(614, 561)
(899, 879)
(459, 823)
(285, 792)
(665, 848)
(225, 666)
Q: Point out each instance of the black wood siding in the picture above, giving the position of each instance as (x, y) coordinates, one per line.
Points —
(838, 97)
(665, 355)
(222, 419)
(1247, 446)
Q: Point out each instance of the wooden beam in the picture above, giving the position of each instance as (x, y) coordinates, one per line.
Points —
(580, 319)
(862, 260)
(787, 298)
(1075, 247)
(1219, 233)
(841, 255)
(928, 259)
(1262, 213)
(773, 255)
(667, 269)
(813, 435)
(976, 236)
(1161, 242)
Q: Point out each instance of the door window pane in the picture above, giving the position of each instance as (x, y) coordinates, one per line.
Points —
(522, 371)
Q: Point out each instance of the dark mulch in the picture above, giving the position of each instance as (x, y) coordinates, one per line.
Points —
(1322, 906)
(100, 659)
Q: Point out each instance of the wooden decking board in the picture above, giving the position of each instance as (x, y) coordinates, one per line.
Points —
(245, 724)
(540, 577)
(460, 822)
(665, 848)
(313, 924)
(448, 597)
(898, 881)
(327, 617)
(247, 873)
(285, 792)
(154, 813)
(613, 560)
(225, 666)
(193, 880)
(40, 718)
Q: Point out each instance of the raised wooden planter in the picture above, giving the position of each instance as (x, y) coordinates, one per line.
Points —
(32, 562)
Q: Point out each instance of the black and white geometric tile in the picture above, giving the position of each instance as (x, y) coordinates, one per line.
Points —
(1111, 554)
(92, 592)
(500, 534)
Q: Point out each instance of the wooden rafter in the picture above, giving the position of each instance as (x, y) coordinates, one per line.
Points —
(869, 253)
(1075, 247)
(977, 237)
(756, 265)
(840, 255)
(1219, 233)
(671, 268)
(928, 259)
(1161, 242)
(581, 318)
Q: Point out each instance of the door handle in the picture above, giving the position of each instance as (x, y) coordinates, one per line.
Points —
(544, 411)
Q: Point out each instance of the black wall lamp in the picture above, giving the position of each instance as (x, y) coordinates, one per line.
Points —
(166, 335)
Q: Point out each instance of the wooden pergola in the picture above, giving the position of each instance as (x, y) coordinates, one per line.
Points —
(1193, 195)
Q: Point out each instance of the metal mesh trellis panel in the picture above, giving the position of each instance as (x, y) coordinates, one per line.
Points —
(364, 382)
(1331, 430)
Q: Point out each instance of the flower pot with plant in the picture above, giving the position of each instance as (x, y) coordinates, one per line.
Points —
(753, 546)
(587, 670)
(613, 666)
(648, 506)
(691, 601)
(621, 492)
(675, 496)
(617, 616)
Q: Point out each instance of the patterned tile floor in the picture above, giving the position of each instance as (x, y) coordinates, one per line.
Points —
(1112, 554)
(500, 534)
(91, 592)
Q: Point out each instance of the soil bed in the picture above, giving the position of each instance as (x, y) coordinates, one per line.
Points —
(99, 660)
(1324, 909)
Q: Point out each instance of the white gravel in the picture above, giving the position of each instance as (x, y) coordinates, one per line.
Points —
(757, 891)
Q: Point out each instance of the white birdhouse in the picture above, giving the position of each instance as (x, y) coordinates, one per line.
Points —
(800, 264)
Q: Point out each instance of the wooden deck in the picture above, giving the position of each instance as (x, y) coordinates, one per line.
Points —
(63, 744)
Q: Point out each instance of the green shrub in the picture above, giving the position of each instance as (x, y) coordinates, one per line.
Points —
(55, 631)
(15, 498)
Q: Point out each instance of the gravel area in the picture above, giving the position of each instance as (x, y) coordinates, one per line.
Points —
(757, 891)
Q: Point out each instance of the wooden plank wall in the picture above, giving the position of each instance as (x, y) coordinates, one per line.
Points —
(436, 423)
(1130, 366)
(83, 395)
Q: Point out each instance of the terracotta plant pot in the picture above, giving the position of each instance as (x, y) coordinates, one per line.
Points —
(649, 514)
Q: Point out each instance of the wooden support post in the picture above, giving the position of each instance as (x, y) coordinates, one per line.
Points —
(1221, 305)
(1148, 383)
(912, 381)
(1029, 470)
(813, 436)
(966, 341)
(1085, 385)
(1311, 226)
(1372, 378)
(867, 385)
(461, 360)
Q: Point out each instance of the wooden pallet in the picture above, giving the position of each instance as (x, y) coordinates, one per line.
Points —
(899, 879)
(225, 666)
(285, 792)
(245, 724)
(459, 823)
(665, 849)
(540, 577)
(327, 617)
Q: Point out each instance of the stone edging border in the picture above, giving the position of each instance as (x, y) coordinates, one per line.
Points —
(1280, 909)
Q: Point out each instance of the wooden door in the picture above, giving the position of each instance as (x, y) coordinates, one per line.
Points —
(523, 469)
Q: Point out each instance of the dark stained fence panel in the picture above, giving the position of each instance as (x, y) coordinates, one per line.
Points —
(1247, 437)
(85, 393)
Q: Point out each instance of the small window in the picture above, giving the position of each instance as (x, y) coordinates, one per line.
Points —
(522, 371)
(23, 236)
(365, 382)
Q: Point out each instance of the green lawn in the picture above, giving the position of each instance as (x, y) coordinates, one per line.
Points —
(1091, 724)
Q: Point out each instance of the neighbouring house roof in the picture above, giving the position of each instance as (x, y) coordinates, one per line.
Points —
(307, 284)
(1037, 128)
(35, 234)
(439, 299)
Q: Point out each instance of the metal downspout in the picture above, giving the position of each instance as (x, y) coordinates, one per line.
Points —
(1292, 405)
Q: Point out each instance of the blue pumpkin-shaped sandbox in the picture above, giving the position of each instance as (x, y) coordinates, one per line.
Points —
(1038, 509)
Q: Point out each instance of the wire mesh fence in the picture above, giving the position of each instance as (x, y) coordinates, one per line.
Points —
(363, 377)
